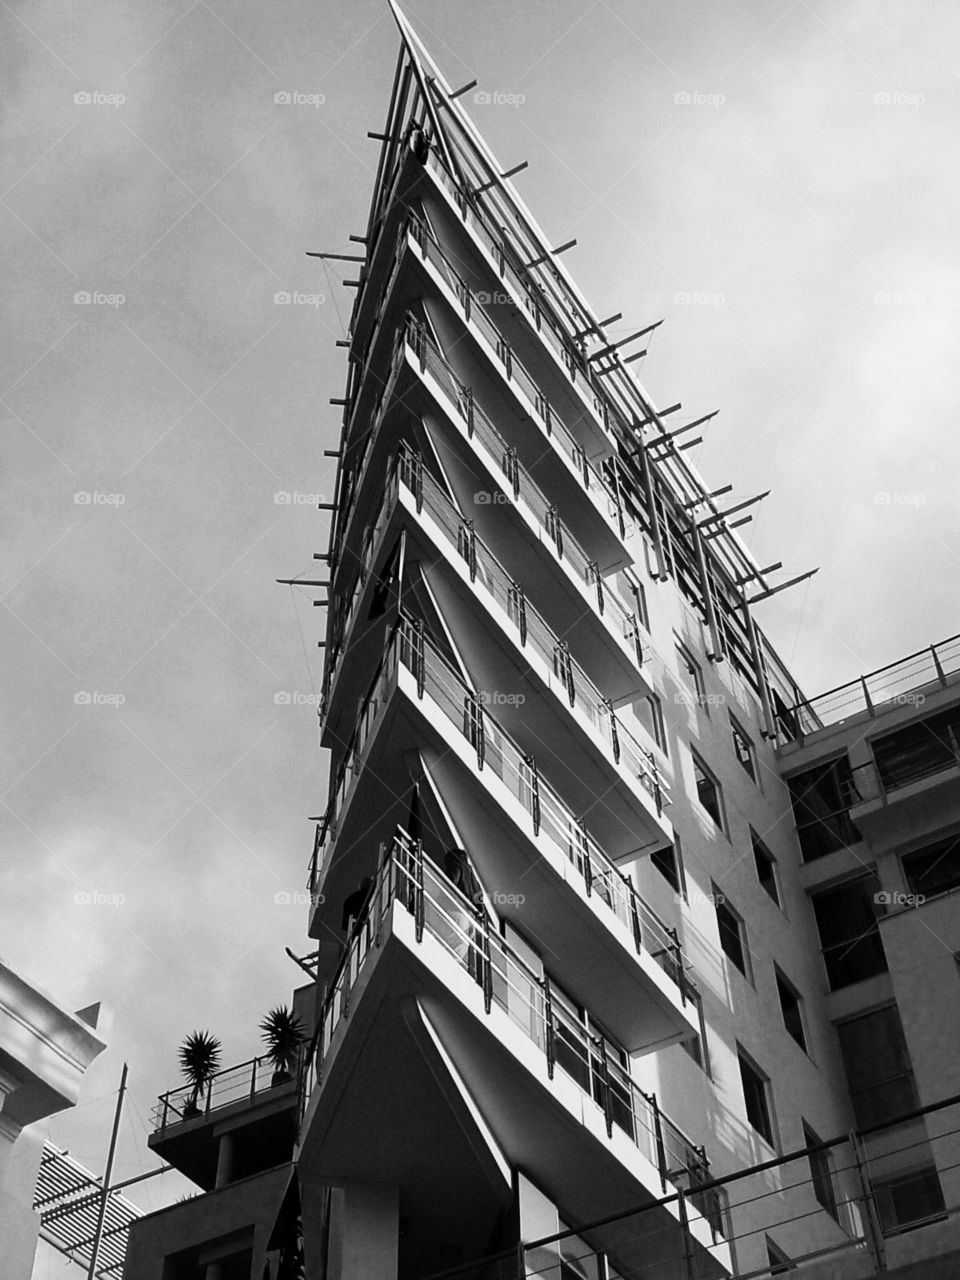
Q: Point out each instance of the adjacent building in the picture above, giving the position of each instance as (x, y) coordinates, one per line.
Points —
(631, 961)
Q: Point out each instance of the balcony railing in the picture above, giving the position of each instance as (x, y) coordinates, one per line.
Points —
(241, 1083)
(408, 878)
(548, 814)
(487, 571)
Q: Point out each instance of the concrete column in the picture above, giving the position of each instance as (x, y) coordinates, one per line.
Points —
(224, 1160)
(364, 1232)
(9, 1129)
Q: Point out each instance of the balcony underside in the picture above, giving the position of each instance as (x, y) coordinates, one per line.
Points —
(446, 1100)
(927, 805)
(542, 892)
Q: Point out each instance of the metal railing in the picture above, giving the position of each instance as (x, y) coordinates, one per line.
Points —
(235, 1084)
(892, 685)
(406, 877)
(549, 816)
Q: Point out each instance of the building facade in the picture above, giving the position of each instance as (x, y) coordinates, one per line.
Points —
(605, 982)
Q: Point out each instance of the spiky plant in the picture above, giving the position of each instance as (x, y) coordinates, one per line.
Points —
(283, 1034)
(199, 1063)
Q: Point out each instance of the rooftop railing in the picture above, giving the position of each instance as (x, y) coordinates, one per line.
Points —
(245, 1082)
(887, 686)
(410, 879)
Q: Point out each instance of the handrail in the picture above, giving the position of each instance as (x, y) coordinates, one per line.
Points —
(255, 1075)
(406, 644)
(406, 877)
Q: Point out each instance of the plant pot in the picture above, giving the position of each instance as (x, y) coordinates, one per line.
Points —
(190, 1109)
(280, 1077)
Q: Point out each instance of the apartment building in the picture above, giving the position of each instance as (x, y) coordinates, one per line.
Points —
(605, 983)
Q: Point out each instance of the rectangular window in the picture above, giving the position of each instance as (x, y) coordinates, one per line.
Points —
(690, 672)
(743, 750)
(821, 798)
(733, 933)
(933, 869)
(821, 1173)
(766, 866)
(756, 1096)
(697, 1048)
(917, 750)
(708, 791)
(847, 918)
(669, 863)
(791, 1006)
(878, 1066)
(909, 1198)
(650, 714)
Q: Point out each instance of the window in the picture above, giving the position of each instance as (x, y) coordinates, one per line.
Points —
(791, 1006)
(933, 869)
(878, 1066)
(917, 750)
(640, 596)
(691, 673)
(777, 1260)
(821, 1174)
(743, 750)
(733, 933)
(849, 934)
(697, 1048)
(766, 866)
(909, 1198)
(756, 1096)
(669, 863)
(821, 797)
(650, 714)
(708, 791)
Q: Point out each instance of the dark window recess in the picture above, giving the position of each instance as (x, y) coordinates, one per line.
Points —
(670, 865)
(821, 798)
(879, 1071)
(785, 717)
(918, 750)
(743, 749)
(650, 715)
(777, 1260)
(791, 1006)
(766, 868)
(690, 669)
(756, 1096)
(849, 933)
(697, 1047)
(909, 1199)
(732, 934)
(821, 1174)
(934, 869)
(708, 791)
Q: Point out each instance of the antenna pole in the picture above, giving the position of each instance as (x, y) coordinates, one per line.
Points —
(107, 1174)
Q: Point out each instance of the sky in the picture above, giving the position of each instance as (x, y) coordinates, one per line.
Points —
(774, 179)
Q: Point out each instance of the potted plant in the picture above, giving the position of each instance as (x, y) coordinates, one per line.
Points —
(283, 1034)
(199, 1062)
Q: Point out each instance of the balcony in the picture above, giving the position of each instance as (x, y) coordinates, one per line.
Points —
(519, 646)
(425, 976)
(243, 1101)
(575, 899)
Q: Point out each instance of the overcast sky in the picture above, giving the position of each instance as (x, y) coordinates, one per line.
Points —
(777, 180)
